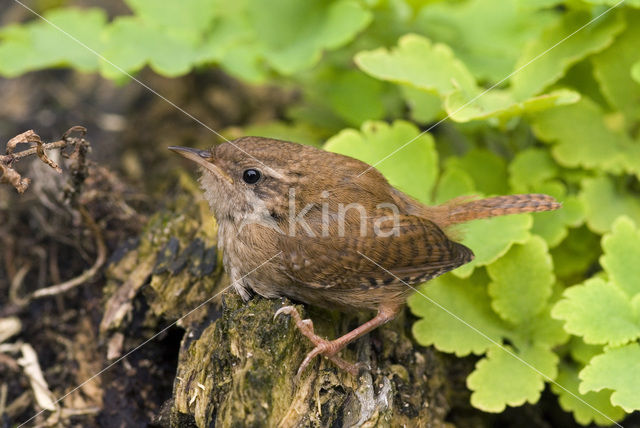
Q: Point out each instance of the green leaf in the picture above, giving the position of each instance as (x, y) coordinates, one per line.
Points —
(599, 312)
(632, 3)
(635, 72)
(546, 59)
(611, 69)
(580, 78)
(292, 35)
(488, 171)
(501, 379)
(621, 255)
(501, 104)
(187, 15)
(39, 44)
(521, 281)
(539, 4)
(166, 53)
(553, 227)
(376, 142)
(453, 182)
(582, 137)
(604, 202)
(285, 34)
(490, 55)
(531, 167)
(467, 300)
(575, 254)
(586, 408)
(230, 44)
(425, 106)
(532, 170)
(542, 330)
(491, 238)
(298, 132)
(419, 63)
(583, 352)
(356, 97)
(617, 369)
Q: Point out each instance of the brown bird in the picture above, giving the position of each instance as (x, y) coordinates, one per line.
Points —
(298, 222)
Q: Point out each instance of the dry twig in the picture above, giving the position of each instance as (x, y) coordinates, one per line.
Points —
(13, 177)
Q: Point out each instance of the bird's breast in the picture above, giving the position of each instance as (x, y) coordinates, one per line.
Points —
(251, 259)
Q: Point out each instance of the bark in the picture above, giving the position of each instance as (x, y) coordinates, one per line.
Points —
(236, 364)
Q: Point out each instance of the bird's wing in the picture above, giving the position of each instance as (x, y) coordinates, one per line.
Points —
(413, 250)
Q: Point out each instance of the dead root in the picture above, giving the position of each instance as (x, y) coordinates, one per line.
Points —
(78, 173)
(87, 274)
(39, 148)
(56, 238)
(66, 285)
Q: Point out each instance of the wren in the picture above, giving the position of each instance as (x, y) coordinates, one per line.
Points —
(328, 230)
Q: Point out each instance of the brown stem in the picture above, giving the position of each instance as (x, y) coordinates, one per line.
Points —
(7, 159)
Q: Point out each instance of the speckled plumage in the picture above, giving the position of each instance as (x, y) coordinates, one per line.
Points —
(334, 258)
(328, 270)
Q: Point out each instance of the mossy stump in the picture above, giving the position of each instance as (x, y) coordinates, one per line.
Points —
(240, 371)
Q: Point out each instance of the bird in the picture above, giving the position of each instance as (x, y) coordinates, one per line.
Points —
(329, 230)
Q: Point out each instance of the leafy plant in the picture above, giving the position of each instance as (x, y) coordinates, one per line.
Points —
(528, 96)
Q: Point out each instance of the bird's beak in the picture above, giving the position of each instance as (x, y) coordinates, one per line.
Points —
(204, 158)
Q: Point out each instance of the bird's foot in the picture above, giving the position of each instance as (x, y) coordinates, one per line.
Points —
(323, 347)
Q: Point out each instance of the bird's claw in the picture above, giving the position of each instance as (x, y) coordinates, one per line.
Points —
(324, 349)
(287, 310)
(304, 326)
(322, 346)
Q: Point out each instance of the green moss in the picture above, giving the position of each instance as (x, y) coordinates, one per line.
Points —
(241, 372)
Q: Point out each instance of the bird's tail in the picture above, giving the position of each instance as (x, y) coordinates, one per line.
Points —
(461, 210)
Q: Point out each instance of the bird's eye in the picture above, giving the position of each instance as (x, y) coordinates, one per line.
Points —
(251, 176)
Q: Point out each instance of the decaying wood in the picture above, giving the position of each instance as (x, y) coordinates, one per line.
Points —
(240, 371)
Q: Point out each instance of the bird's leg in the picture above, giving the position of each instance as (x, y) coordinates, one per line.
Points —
(330, 348)
(306, 328)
